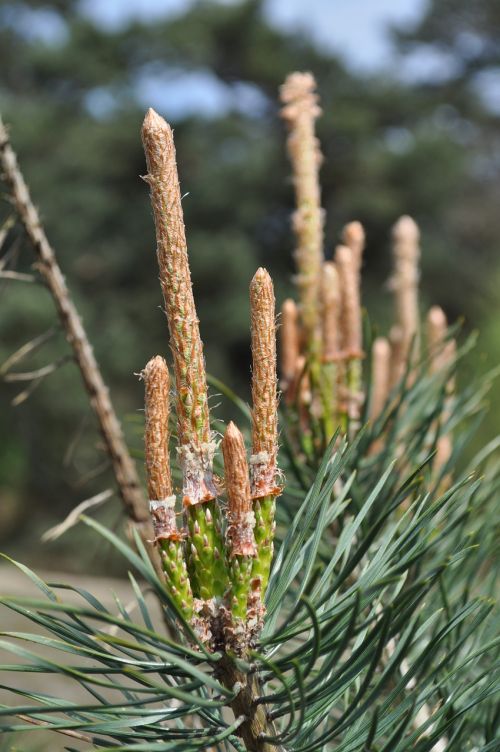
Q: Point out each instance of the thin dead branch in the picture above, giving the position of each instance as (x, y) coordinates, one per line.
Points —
(39, 373)
(11, 254)
(18, 276)
(26, 349)
(5, 229)
(26, 393)
(71, 520)
(123, 466)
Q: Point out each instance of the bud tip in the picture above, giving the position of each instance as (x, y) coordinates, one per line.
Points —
(353, 234)
(406, 229)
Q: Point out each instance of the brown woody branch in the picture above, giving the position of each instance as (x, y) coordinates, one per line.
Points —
(123, 466)
(257, 724)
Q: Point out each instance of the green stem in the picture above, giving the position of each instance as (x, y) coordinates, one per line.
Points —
(264, 509)
(176, 576)
(206, 551)
(240, 576)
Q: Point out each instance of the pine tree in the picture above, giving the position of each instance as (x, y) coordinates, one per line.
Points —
(335, 594)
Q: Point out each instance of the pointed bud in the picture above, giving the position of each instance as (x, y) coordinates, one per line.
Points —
(175, 278)
(437, 326)
(290, 339)
(264, 380)
(240, 516)
(157, 460)
(353, 236)
(300, 112)
(404, 282)
(351, 330)
(381, 371)
(157, 384)
(330, 299)
(398, 361)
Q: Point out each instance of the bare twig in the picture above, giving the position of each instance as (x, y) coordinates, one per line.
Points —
(19, 276)
(40, 373)
(11, 254)
(73, 517)
(26, 393)
(5, 229)
(123, 466)
(26, 349)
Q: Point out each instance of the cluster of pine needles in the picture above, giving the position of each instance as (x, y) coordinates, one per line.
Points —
(326, 580)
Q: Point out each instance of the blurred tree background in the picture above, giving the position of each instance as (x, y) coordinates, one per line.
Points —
(422, 138)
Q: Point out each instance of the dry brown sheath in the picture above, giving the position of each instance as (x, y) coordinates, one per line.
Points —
(353, 236)
(330, 304)
(290, 338)
(241, 519)
(196, 448)
(381, 371)
(264, 380)
(351, 330)
(406, 252)
(300, 111)
(159, 480)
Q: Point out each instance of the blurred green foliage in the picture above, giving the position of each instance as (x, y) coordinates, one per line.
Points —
(391, 145)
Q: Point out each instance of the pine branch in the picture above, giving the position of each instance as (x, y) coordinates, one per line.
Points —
(257, 725)
(124, 469)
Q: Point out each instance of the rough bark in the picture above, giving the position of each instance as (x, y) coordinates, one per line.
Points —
(257, 723)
